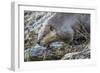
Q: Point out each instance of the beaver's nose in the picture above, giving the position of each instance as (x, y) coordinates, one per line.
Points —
(40, 43)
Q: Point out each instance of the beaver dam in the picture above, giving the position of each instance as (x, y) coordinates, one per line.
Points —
(56, 36)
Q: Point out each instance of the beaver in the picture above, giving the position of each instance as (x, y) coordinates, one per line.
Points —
(62, 27)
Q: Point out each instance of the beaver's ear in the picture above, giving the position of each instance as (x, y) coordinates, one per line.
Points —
(51, 28)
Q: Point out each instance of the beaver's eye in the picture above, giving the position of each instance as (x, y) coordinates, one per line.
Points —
(51, 28)
(44, 34)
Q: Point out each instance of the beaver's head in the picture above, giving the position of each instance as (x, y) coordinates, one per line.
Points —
(47, 35)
